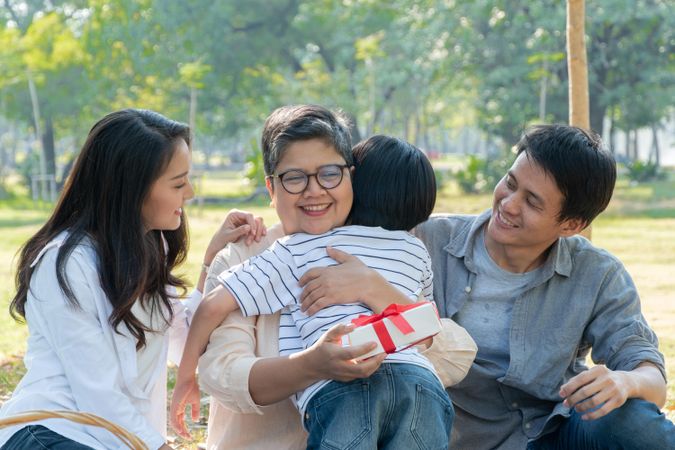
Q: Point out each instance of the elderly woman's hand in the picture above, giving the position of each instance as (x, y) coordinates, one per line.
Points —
(328, 359)
(274, 379)
(348, 282)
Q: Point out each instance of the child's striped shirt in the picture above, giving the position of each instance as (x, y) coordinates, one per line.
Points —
(268, 282)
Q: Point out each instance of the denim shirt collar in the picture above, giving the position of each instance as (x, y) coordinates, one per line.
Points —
(559, 259)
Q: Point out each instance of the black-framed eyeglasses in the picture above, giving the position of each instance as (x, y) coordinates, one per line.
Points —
(295, 181)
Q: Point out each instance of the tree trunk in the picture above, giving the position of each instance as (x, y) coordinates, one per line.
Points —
(417, 130)
(577, 69)
(626, 138)
(371, 97)
(377, 112)
(13, 142)
(543, 86)
(408, 126)
(597, 116)
(48, 146)
(656, 151)
(636, 147)
(354, 128)
(611, 133)
(207, 157)
(192, 113)
(426, 139)
(35, 104)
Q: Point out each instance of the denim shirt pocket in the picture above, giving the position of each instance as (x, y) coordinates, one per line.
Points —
(545, 343)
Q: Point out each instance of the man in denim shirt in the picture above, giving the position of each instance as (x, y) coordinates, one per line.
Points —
(536, 299)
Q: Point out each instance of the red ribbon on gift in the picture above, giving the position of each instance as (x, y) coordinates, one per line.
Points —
(392, 312)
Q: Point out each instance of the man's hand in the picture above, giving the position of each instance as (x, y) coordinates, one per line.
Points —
(597, 391)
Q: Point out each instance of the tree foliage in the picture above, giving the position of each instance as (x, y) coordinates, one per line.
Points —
(415, 69)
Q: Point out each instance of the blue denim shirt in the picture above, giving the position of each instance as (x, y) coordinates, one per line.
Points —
(583, 300)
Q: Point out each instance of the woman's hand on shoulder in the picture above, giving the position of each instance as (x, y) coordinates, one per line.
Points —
(328, 359)
(236, 226)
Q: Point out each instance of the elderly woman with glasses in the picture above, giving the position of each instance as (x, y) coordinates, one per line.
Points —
(307, 155)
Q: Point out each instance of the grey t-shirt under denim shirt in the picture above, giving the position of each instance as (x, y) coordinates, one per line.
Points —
(581, 298)
(487, 314)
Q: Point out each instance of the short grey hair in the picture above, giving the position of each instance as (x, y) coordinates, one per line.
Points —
(289, 124)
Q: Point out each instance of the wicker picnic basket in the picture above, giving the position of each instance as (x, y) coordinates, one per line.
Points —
(129, 439)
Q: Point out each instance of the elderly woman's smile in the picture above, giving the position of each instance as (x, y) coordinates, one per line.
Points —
(316, 209)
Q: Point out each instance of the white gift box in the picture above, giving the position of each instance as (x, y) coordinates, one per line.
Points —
(422, 318)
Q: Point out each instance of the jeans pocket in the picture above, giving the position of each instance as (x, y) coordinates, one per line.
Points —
(338, 416)
(432, 418)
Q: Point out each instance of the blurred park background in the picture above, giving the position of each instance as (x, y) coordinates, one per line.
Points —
(460, 79)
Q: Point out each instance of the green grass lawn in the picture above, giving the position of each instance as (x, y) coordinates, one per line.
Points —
(221, 184)
(639, 228)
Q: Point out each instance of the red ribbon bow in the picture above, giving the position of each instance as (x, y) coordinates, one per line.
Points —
(392, 312)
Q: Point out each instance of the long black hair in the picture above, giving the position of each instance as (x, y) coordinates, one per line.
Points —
(125, 152)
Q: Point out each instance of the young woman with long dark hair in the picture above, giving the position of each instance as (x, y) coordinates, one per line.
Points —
(96, 288)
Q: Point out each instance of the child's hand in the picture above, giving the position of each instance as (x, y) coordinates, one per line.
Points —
(237, 225)
(185, 393)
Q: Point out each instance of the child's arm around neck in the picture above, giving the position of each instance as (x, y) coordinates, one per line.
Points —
(214, 308)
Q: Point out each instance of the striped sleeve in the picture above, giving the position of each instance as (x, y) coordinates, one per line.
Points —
(264, 284)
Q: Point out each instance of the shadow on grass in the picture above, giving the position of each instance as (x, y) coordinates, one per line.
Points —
(655, 212)
(644, 211)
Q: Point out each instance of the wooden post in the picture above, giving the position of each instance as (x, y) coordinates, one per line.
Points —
(577, 70)
(577, 67)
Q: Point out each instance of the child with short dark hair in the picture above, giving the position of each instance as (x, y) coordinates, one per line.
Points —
(404, 401)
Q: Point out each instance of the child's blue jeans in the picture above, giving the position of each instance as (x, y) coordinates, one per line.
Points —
(400, 406)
